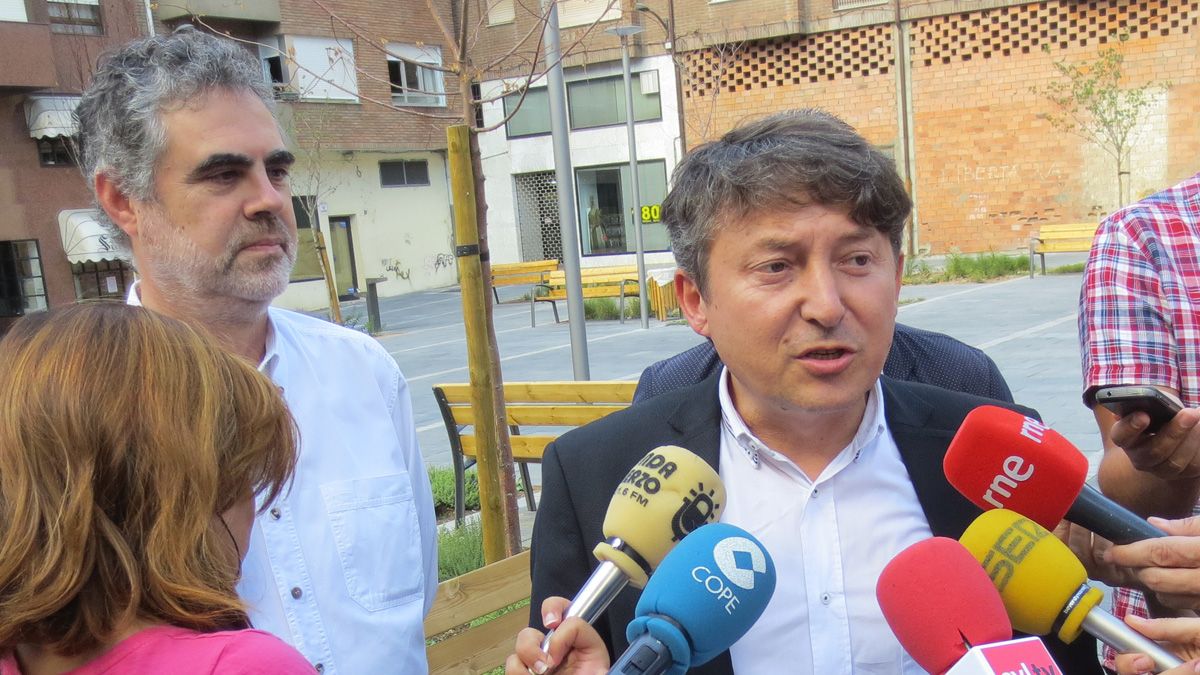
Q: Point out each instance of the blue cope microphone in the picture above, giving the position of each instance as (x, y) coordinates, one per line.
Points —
(703, 597)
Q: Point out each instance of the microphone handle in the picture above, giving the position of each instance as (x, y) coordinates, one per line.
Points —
(1109, 519)
(1112, 631)
(606, 582)
(646, 655)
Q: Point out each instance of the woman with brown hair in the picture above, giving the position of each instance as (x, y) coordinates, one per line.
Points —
(131, 450)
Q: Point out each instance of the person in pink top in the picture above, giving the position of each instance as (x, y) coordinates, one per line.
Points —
(132, 448)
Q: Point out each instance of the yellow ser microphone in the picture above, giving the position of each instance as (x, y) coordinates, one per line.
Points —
(1044, 586)
(669, 493)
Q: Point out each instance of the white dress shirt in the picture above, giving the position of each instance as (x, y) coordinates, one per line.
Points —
(344, 566)
(830, 538)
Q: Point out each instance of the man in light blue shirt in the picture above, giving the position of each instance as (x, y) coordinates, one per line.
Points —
(183, 152)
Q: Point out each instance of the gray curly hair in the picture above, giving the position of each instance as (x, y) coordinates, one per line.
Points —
(787, 160)
(121, 133)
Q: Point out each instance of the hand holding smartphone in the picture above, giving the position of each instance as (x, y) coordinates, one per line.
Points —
(1125, 399)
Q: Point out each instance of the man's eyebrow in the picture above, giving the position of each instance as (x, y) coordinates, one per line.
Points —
(223, 160)
(280, 157)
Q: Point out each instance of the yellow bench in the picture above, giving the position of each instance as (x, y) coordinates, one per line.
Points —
(596, 282)
(1066, 238)
(464, 599)
(522, 273)
(533, 404)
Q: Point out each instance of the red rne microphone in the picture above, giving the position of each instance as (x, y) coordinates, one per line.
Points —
(1002, 459)
(940, 603)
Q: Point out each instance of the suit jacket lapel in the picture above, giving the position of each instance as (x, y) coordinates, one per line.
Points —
(922, 448)
(697, 420)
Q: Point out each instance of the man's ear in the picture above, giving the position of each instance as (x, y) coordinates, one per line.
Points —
(116, 204)
(691, 302)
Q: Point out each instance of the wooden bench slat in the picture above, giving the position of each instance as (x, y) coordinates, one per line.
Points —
(525, 447)
(480, 649)
(568, 415)
(517, 279)
(476, 593)
(560, 391)
(630, 290)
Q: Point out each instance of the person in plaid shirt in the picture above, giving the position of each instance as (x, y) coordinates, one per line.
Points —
(1139, 323)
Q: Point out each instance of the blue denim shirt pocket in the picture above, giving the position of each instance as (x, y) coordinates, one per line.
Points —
(375, 529)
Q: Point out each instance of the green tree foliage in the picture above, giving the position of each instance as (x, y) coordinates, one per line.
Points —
(1090, 101)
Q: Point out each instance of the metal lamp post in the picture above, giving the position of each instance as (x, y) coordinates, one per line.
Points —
(624, 32)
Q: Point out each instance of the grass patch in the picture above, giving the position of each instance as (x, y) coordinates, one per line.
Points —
(1073, 268)
(608, 309)
(977, 267)
(909, 301)
(441, 479)
(460, 550)
(984, 266)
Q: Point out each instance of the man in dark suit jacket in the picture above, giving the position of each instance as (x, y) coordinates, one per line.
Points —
(787, 234)
(916, 356)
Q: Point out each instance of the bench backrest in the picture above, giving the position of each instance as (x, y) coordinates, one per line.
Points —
(463, 599)
(508, 274)
(539, 404)
(1062, 238)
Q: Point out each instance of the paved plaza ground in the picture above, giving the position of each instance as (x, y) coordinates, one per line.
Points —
(1026, 325)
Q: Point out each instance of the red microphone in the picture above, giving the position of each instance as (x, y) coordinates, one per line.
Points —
(1002, 459)
(940, 603)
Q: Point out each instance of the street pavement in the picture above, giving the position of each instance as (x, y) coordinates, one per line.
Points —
(1028, 326)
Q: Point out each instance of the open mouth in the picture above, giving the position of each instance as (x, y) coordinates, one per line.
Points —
(825, 354)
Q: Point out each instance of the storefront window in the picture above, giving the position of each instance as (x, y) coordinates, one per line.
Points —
(606, 222)
(103, 279)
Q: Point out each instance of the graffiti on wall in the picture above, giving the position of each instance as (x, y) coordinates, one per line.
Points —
(392, 265)
(439, 262)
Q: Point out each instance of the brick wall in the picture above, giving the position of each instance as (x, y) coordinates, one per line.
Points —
(990, 168)
(368, 125)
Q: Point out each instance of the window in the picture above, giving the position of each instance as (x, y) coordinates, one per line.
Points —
(401, 173)
(476, 95)
(413, 84)
(13, 10)
(104, 279)
(583, 12)
(77, 17)
(308, 259)
(854, 4)
(22, 284)
(324, 68)
(501, 12)
(606, 222)
(532, 118)
(55, 151)
(601, 102)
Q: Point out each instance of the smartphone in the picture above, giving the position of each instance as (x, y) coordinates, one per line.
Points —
(1126, 399)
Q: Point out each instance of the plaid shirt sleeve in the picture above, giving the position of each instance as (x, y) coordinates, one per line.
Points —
(1124, 321)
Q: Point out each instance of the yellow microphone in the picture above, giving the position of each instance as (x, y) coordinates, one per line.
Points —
(1044, 586)
(669, 493)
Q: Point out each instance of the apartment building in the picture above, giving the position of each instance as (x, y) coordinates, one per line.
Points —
(518, 156)
(949, 88)
(368, 130)
(52, 252)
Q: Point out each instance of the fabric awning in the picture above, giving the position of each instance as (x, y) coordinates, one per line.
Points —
(84, 238)
(51, 116)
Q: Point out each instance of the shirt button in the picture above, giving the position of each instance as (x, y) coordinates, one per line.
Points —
(320, 667)
(275, 513)
(296, 592)
(825, 599)
(815, 492)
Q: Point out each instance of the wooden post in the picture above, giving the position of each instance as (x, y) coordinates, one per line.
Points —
(474, 299)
